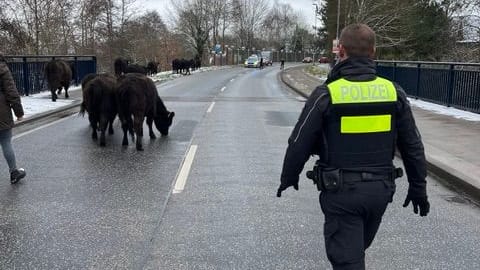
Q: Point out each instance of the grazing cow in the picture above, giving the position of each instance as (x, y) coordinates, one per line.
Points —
(100, 102)
(138, 97)
(58, 75)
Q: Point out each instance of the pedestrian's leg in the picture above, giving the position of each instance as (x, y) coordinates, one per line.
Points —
(343, 232)
(6, 142)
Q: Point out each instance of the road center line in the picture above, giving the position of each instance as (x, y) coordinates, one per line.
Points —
(223, 88)
(40, 127)
(185, 170)
(211, 107)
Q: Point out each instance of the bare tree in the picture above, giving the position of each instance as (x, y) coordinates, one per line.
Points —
(381, 17)
(248, 19)
(279, 24)
(194, 22)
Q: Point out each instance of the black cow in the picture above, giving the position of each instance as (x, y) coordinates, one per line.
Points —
(182, 66)
(152, 68)
(138, 98)
(120, 66)
(58, 74)
(101, 103)
(136, 69)
(175, 66)
(198, 62)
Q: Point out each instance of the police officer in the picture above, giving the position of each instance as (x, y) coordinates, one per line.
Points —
(354, 122)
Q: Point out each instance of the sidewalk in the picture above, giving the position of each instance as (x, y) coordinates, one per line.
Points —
(451, 144)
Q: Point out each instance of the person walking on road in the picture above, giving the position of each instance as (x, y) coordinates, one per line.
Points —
(282, 64)
(9, 100)
(354, 122)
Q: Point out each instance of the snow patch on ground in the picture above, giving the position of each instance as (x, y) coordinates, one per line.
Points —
(42, 102)
(168, 75)
(459, 114)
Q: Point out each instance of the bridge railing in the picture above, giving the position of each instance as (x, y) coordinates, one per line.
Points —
(28, 71)
(450, 84)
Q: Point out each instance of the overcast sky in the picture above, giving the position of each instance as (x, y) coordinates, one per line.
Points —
(303, 7)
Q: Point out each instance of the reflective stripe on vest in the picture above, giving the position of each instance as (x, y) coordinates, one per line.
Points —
(378, 90)
(343, 91)
(365, 124)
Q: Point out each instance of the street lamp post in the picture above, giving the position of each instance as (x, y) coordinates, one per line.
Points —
(316, 31)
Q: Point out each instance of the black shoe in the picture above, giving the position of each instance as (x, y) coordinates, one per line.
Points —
(16, 175)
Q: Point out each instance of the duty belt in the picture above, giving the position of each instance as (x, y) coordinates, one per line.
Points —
(332, 179)
(353, 176)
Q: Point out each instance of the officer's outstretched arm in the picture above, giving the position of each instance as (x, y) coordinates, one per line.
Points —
(411, 148)
(304, 138)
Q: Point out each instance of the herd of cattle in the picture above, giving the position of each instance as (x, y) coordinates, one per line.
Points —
(128, 94)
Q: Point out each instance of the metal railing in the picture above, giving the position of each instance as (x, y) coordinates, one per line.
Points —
(450, 84)
(29, 71)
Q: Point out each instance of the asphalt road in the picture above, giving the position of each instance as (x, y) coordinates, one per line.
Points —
(86, 207)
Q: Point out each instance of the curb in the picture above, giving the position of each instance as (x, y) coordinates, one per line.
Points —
(281, 74)
(445, 175)
(47, 114)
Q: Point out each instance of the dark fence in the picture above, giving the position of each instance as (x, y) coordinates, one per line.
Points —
(28, 71)
(451, 84)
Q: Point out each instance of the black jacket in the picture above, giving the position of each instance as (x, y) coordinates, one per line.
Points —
(307, 137)
(9, 97)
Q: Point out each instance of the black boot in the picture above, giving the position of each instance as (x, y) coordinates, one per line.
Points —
(16, 175)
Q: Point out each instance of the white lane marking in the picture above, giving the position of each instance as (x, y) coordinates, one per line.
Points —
(40, 127)
(211, 107)
(187, 165)
(223, 88)
(232, 80)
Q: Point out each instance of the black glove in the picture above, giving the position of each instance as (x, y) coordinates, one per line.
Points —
(285, 186)
(417, 202)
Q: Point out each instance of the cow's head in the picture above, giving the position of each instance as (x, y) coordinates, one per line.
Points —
(163, 122)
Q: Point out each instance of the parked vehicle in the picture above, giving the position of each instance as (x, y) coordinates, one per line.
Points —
(267, 61)
(307, 60)
(324, 60)
(253, 61)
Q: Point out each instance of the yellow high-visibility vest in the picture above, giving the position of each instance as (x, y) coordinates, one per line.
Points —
(379, 90)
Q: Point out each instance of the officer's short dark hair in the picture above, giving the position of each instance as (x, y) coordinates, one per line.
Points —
(358, 40)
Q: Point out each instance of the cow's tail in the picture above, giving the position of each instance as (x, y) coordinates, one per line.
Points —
(94, 94)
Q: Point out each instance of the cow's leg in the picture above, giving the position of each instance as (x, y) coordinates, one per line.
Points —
(110, 126)
(54, 95)
(66, 91)
(93, 124)
(125, 131)
(150, 129)
(59, 90)
(103, 128)
(138, 127)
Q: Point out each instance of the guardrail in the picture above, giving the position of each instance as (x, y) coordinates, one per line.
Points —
(28, 71)
(451, 84)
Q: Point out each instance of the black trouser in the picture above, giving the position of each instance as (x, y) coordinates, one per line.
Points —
(352, 218)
